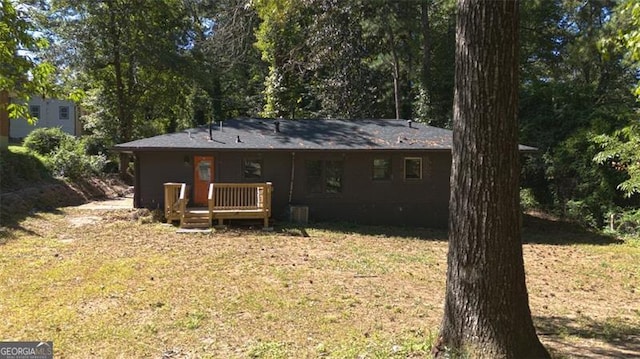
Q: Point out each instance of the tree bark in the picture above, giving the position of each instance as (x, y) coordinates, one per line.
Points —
(124, 117)
(486, 311)
(426, 45)
(395, 69)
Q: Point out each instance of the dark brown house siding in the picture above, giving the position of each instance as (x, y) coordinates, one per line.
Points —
(397, 201)
(393, 201)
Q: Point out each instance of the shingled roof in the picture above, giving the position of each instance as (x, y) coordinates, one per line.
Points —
(261, 134)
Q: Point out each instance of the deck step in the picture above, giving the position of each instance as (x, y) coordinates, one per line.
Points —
(196, 220)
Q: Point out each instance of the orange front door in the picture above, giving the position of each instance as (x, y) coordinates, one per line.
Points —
(202, 176)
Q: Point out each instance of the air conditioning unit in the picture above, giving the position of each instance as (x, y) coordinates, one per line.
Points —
(299, 214)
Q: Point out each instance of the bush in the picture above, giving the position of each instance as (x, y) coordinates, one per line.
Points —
(71, 160)
(96, 145)
(45, 141)
(528, 201)
(20, 169)
(580, 212)
(628, 222)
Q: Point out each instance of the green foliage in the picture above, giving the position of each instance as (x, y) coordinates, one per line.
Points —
(356, 59)
(45, 141)
(575, 99)
(625, 25)
(528, 201)
(67, 156)
(582, 192)
(20, 168)
(70, 160)
(143, 68)
(132, 57)
(620, 152)
(96, 145)
(620, 148)
(627, 222)
(281, 41)
(21, 73)
(226, 66)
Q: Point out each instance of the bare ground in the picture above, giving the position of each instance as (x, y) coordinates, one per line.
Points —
(139, 289)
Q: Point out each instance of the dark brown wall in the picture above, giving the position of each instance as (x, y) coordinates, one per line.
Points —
(156, 168)
(396, 201)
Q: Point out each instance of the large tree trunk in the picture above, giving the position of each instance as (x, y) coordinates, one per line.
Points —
(486, 306)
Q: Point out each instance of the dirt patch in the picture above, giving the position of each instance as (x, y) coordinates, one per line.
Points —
(16, 205)
(109, 204)
(84, 221)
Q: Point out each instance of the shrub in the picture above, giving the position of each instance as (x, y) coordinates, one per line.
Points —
(580, 212)
(45, 140)
(628, 222)
(96, 145)
(20, 169)
(71, 160)
(528, 201)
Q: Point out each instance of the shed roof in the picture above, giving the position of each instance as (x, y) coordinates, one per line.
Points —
(261, 134)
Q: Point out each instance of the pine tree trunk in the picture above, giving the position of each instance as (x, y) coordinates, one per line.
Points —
(426, 45)
(486, 307)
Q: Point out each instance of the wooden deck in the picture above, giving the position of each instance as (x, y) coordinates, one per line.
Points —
(225, 201)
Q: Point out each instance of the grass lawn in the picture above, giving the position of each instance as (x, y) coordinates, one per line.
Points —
(105, 284)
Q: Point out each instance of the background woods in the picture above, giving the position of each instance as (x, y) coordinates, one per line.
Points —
(150, 67)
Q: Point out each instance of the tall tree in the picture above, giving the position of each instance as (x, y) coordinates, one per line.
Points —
(343, 84)
(620, 150)
(133, 52)
(570, 92)
(280, 38)
(21, 74)
(486, 305)
(227, 65)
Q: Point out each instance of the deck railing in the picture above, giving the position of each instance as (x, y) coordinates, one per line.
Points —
(176, 197)
(240, 200)
(240, 196)
(225, 201)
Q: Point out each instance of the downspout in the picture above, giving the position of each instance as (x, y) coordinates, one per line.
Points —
(136, 184)
(293, 175)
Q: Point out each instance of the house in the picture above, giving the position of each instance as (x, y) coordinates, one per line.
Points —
(50, 113)
(391, 172)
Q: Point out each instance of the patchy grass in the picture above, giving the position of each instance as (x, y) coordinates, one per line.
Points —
(104, 284)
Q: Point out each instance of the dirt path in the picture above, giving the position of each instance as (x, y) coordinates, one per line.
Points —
(109, 204)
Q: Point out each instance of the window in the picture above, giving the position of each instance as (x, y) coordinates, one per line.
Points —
(252, 168)
(34, 111)
(413, 168)
(63, 112)
(324, 176)
(333, 176)
(381, 169)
